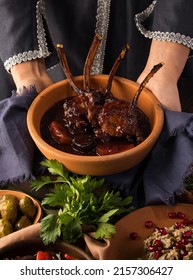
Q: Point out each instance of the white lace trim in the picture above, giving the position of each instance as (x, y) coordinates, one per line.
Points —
(42, 51)
(158, 35)
(102, 24)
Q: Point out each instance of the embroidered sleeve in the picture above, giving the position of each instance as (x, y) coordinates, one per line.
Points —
(102, 24)
(25, 35)
(169, 20)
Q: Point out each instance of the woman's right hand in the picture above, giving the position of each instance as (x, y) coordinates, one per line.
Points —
(31, 73)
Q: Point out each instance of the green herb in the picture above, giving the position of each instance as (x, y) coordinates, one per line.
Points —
(83, 202)
(188, 182)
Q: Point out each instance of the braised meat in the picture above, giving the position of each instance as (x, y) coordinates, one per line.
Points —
(94, 119)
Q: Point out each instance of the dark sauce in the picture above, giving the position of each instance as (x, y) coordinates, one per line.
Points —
(57, 113)
(89, 145)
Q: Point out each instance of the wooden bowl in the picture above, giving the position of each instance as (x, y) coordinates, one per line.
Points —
(19, 195)
(96, 165)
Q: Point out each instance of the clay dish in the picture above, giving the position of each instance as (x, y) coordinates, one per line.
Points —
(96, 165)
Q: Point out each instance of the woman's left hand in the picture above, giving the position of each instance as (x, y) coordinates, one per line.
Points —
(164, 88)
(164, 83)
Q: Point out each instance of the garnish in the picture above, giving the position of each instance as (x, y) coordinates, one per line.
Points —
(133, 235)
(83, 203)
(188, 182)
(148, 224)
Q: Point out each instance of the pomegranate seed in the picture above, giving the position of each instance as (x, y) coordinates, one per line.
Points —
(153, 248)
(180, 215)
(191, 221)
(184, 241)
(163, 231)
(186, 222)
(148, 224)
(179, 245)
(187, 234)
(158, 254)
(178, 225)
(172, 215)
(158, 243)
(133, 235)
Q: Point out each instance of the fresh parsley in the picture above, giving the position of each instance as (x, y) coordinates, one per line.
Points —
(188, 182)
(83, 204)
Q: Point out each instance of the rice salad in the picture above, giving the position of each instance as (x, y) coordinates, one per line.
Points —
(170, 243)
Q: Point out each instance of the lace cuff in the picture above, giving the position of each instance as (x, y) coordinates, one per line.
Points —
(42, 51)
(160, 35)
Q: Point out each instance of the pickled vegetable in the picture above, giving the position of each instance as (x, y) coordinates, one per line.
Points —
(15, 213)
(5, 227)
(10, 197)
(27, 207)
(9, 211)
(23, 222)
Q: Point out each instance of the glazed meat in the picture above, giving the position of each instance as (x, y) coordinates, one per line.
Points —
(94, 118)
(75, 115)
(118, 119)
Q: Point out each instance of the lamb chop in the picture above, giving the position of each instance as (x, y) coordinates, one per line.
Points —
(96, 112)
(118, 118)
(88, 102)
(91, 100)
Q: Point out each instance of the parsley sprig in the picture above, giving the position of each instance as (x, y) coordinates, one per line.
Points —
(188, 182)
(83, 204)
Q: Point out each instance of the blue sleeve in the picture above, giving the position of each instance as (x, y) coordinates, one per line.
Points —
(24, 34)
(169, 20)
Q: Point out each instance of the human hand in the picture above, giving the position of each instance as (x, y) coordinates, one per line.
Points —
(164, 87)
(164, 83)
(31, 73)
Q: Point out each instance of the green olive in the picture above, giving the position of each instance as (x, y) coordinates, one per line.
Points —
(9, 211)
(23, 222)
(27, 207)
(5, 227)
(10, 197)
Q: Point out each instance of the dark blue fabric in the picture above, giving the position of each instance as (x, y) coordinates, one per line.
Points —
(159, 179)
(16, 145)
(170, 159)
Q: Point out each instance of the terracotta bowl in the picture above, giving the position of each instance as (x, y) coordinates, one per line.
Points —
(19, 195)
(26, 247)
(96, 165)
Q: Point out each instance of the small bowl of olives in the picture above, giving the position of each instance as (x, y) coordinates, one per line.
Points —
(17, 211)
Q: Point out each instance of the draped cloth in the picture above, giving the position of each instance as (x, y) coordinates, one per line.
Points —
(16, 146)
(159, 179)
